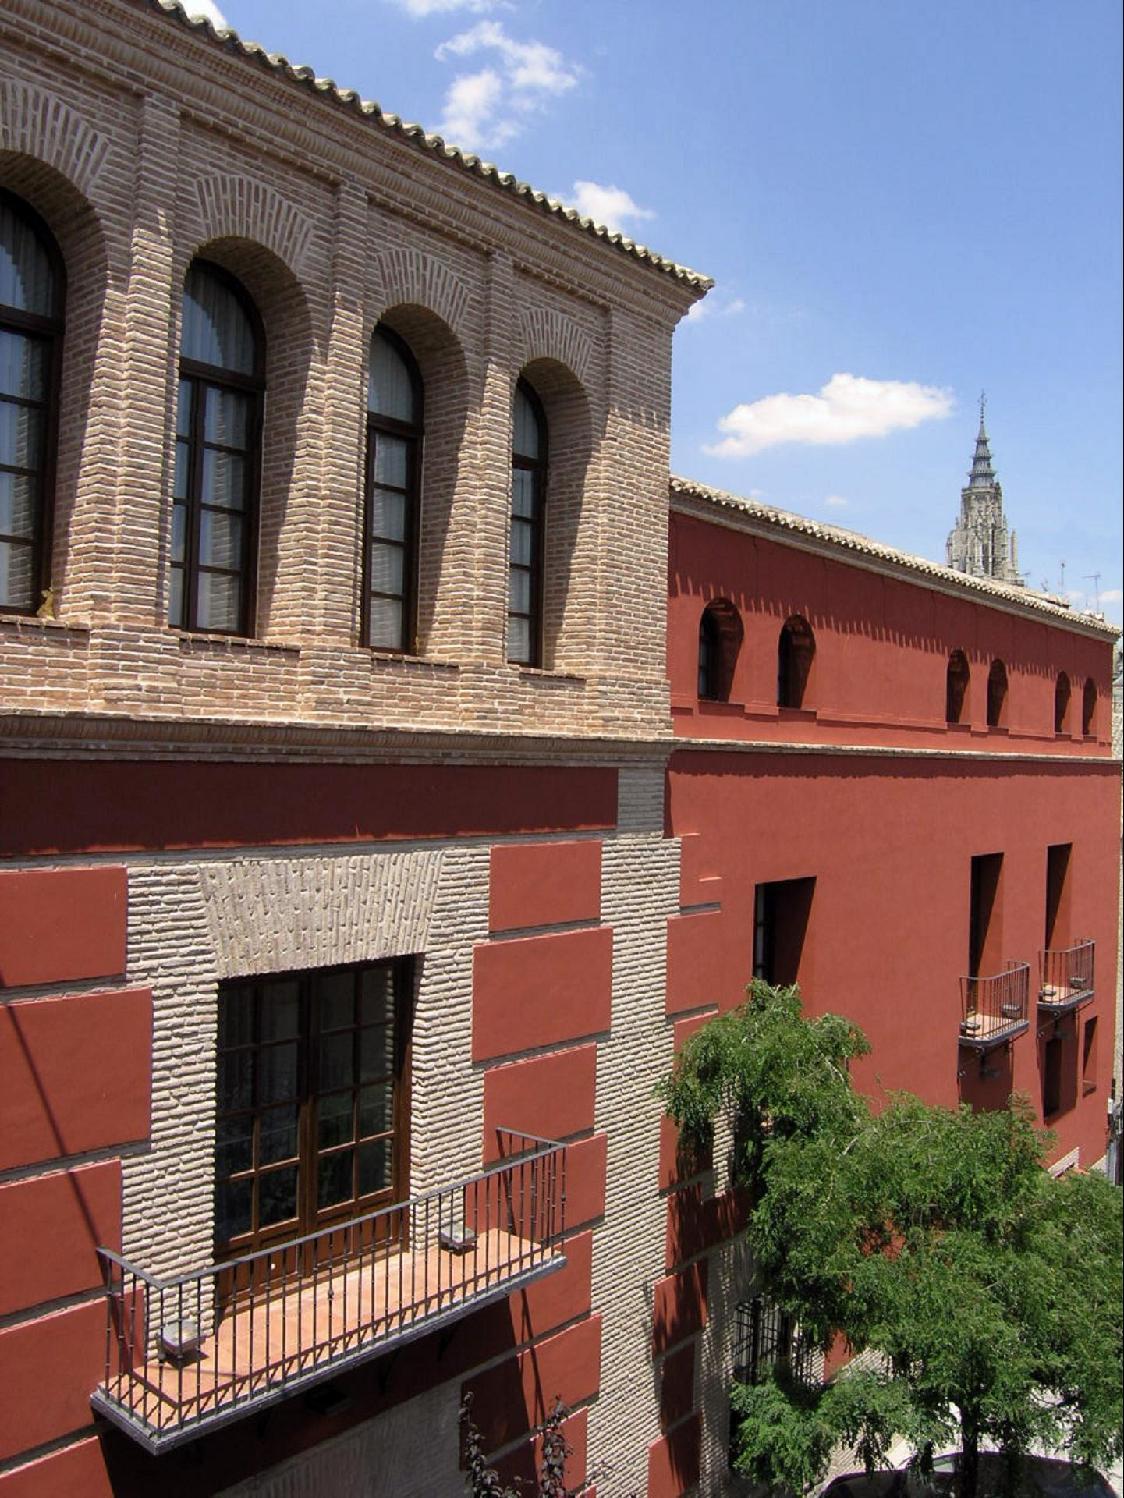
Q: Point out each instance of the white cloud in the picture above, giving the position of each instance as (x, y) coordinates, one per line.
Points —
(713, 305)
(1112, 595)
(419, 9)
(206, 10)
(836, 502)
(488, 107)
(847, 407)
(610, 206)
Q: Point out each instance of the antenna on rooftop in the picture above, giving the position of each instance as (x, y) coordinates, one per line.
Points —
(1061, 587)
(1095, 579)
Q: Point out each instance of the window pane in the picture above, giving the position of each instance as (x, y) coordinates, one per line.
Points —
(333, 1179)
(390, 391)
(391, 460)
(385, 626)
(522, 535)
(220, 539)
(277, 1073)
(376, 1109)
(376, 1052)
(216, 329)
(523, 492)
(179, 476)
(27, 281)
(236, 1015)
(15, 575)
(519, 592)
(337, 1067)
(527, 438)
(232, 1209)
(377, 994)
(175, 599)
(236, 1081)
(21, 435)
(23, 365)
(234, 1145)
(226, 417)
(277, 1139)
(17, 505)
(333, 998)
(280, 1009)
(277, 1196)
(386, 569)
(183, 409)
(375, 1167)
(518, 640)
(334, 1120)
(224, 479)
(388, 515)
(220, 600)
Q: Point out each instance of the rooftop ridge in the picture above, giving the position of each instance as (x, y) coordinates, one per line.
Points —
(228, 38)
(854, 541)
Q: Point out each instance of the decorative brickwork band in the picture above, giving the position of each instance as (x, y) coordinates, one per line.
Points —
(34, 122)
(233, 207)
(410, 276)
(546, 334)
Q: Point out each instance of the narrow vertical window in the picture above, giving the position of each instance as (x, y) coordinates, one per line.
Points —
(394, 439)
(1089, 709)
(31, 325)
(796, 649)
(709, 646)
(525, 541)
(1061, 703)
(218, 442)
(956, 687)
(997, 695)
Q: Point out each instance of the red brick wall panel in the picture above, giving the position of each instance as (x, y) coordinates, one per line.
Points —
(551, 1096)
(75, 1472)
(76, 1074)
(540, 991)
(544, 884)
(57, 925)
(523, 1465)
(680, 1161)
(560, 1297)
(678, 1306)
(586, 1164)
(677, 1385)
(49, 1366)
(704, 965)
(515, 1396)
(67, 1216)
(673, 1461)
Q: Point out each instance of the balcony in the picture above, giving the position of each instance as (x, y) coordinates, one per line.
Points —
(995, 1007)
(1067, 977)
(188, 1354)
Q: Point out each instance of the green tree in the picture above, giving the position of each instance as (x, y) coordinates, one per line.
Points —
(931, 1236)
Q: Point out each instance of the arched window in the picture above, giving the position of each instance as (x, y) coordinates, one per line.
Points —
(1089, 708)
(956, 687)
(525, 540)
(796, 649)
(1061, 702)
(996, 695)
(218, 447)
(720, 638)
(394, 438)
(32, 295)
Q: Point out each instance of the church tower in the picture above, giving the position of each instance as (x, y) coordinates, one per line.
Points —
(980, 543)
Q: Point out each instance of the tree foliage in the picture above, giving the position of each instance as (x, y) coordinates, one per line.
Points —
(990, 1292)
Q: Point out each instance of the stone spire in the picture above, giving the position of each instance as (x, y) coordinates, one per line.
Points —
(980, 543)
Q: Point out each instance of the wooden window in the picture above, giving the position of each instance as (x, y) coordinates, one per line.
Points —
(957, 678)
(218, 446)
(32, 296)
(997, 695)
(781, 911)
(796, 649)
(527, 529)
(1089, 709)
(1061, 703)
(312, 1120)
(392, 511)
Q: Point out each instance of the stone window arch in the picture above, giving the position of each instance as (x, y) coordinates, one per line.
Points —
(1062, 694)
(796, 652)
(997, 695)
(957, 679)
(720, 639)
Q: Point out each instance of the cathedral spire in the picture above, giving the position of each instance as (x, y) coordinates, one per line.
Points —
(980, 543)
(982, 475)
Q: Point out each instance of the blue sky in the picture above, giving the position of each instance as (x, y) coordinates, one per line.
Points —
(901, 204)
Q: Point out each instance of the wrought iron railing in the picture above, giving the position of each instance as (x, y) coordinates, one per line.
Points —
(995, 1007)
(188, 1353)
(1067, 975)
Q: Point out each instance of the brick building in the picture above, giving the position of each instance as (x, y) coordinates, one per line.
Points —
(396, 766)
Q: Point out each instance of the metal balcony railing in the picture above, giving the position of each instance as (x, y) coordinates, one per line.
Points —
(1067, 976)
(186, 1354)
(995, 1007)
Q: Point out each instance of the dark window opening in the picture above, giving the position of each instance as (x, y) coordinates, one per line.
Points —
(796, 650)
(526, 529)
(1089, 1056)
(218, 451)
(985, 933)
(1057, 896)
(391, 512)
(997, 695)
(720, 638)
(1053, 1052)
(767, 1339)
(1089, 709)
(32, 297)
(1061, 703)
(956, 687)
(781, 911)
(312, 1116)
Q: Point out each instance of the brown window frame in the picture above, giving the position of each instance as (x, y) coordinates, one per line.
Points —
(538, 467)
(201, 377)
(310, 1217)
(412, 433)
(49, 331)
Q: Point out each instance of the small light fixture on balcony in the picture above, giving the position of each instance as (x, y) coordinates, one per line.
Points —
(458, 1240)
(180, 1342)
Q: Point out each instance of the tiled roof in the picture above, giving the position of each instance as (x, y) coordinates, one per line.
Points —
(425, 141)
(836, 536)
